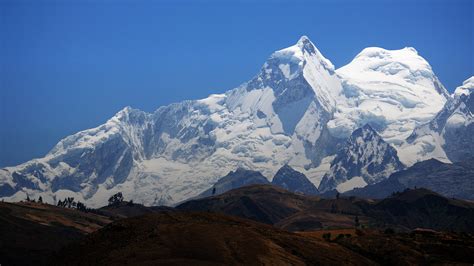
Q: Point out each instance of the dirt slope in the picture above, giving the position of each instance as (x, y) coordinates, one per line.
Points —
(177, 238)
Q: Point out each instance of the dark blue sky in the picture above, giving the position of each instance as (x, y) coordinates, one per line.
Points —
(69, 65)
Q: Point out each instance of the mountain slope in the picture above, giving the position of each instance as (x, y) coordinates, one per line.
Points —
(281, 208)
(263, 203)
(235, 179)
(450, 135)
(405, 210)
(294, 181)
(202, 239)
(451, 180)
(365, 159)
(391, 90)
(30, 232)
(422, 208)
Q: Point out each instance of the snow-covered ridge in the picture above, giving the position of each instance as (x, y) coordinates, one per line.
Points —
(449, 136)
(298, 110)
(392, 90)
(466, 88)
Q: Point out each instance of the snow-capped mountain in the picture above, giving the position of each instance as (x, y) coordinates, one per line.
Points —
(392, 90)
(449, 137)
(365, 159)
(299, 110)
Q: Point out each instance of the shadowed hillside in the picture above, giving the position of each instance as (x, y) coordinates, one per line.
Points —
(129, 209)
(30, 232)
(175, 238)
(187, 238)
(406, 210)
(263, 203)
(424, 208)
(219, 230)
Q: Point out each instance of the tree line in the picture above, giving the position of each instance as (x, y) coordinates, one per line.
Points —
(70, 203)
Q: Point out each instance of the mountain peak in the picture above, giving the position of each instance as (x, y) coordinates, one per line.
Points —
(305, 44)
(127, 109)
(304, 39)
(286, 167)
(403, 66)
(128, 114)
(292, 180)
(399, 81)
(405, 63)
(381, 53)
(303, 51)
(367, 127)
(466, 88)
(364, 159)
(366, 132)
(469, 81)
(411, 49)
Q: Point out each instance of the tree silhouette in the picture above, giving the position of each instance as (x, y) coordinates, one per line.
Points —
(356, 221)
(70, 202)
(116, 199)
(213, 190)
(327, 236)
(40, 199)
(81, 207)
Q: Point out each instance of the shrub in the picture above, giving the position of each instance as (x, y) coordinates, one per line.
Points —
(340, 236)
(327, 236)
(116, 199)
(81, 206)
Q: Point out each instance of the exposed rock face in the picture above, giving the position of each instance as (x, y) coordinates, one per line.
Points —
(365, 156)
(294, 181)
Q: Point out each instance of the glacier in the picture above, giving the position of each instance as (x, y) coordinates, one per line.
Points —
(449, 136)
(298, 111)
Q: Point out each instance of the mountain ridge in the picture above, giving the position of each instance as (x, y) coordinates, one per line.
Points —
(286, 114)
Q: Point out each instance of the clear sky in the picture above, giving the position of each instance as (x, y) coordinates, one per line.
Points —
(69, 65)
